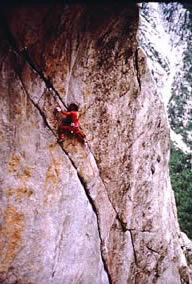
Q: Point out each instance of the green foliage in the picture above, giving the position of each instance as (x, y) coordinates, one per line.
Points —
(181, 180)
(180, 114)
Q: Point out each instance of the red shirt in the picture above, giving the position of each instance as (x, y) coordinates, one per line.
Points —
(74, 115)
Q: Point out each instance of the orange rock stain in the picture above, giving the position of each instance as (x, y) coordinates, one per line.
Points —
(14, 162)
(10, 236)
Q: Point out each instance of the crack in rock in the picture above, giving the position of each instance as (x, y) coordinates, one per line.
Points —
(149, 248)
(134, 250)
(89, 191)
(136, 61)
(93, 203)
(47, 81)
(83, 183)
(123, 224)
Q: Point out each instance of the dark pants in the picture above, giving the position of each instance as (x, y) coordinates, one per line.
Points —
(69, 128)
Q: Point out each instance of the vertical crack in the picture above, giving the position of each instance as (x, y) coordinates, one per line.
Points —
(83, 183)
(136, 61)
(133, 245)
(123, 224)
(49, 85)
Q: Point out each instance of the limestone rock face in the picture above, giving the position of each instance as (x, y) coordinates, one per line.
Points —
(95, 213)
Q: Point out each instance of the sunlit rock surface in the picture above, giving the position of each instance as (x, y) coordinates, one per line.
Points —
(98, 213)
(165, 34)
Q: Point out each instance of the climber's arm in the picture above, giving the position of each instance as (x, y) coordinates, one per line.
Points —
(62, 111)
(65, 112)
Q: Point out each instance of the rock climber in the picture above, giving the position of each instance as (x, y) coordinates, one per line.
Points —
(70, 123)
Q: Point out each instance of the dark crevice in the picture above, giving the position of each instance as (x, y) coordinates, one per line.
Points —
(123, 224)
(137, 68)
(134, 251)
(52, 275)
(152, 169)
(153, 250)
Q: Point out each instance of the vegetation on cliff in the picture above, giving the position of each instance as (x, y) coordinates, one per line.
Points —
(180, 113)
(181, 179)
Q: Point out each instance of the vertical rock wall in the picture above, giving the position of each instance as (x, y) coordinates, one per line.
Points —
(102, 212)
(170, 62)
(48, 229)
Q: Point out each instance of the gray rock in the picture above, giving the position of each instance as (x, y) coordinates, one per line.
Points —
(94, 213)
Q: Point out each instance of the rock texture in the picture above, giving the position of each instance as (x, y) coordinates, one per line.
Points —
(170, 62)
(98, 213)
(167, 23)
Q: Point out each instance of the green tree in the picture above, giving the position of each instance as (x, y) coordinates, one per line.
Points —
(181, 180)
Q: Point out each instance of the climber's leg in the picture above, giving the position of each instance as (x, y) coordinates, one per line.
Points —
(80, 132)
(67, 127)
(62, 136)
